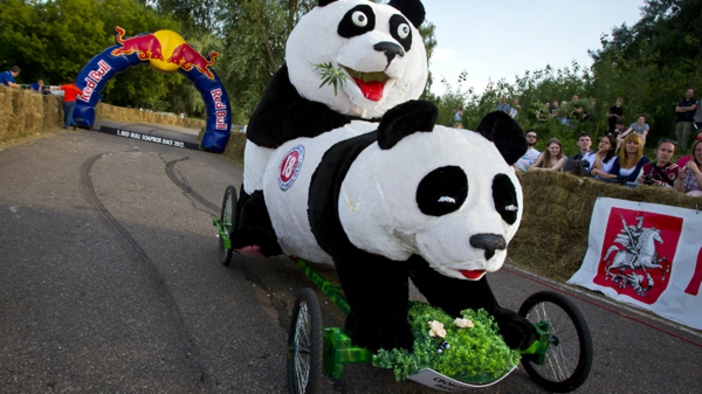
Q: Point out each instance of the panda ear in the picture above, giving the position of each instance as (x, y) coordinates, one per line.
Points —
(505, 133)
(412, 9)
(322, 3)
(405, 119)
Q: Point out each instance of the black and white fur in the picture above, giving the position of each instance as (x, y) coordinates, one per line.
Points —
(408, 200)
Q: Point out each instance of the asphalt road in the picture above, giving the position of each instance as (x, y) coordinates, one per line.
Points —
(110, 282)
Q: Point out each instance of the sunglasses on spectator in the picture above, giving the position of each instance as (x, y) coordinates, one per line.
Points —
(531, 136)
(671, 141)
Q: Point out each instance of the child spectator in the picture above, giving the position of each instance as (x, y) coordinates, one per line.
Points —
(662, 173)
(640, 127)
(552, 159)
(531, 154)
(683, 160)
(690, 177)
(627, 166)
(605, 156)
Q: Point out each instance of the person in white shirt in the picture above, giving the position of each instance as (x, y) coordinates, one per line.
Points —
(531, 154)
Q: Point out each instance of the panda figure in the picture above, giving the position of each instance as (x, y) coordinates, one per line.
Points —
(362, 178)
(381, 54)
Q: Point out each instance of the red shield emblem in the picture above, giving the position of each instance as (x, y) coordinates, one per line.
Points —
(637, 253)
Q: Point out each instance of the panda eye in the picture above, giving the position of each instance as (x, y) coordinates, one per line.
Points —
(442, 191)
(403, 31)
(359, 19)
(505, 196)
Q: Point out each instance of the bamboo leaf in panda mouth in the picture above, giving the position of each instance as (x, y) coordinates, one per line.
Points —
(331, 75)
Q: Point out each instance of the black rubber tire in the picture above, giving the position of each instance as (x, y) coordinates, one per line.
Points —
(305, 344)
(560, 372)
(228, 220)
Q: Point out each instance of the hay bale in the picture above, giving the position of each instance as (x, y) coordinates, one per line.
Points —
(235, 147)
(553, 236)
(25, 113)
(121, 114)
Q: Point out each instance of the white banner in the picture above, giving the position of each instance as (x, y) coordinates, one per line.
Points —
(648, 255)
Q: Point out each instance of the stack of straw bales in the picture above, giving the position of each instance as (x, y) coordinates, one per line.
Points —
(121, 114)
(24, 113)
(553, 236)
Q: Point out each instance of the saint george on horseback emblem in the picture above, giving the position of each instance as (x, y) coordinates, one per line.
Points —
(637, 258)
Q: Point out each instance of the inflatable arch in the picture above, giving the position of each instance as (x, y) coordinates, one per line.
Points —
(166, 51)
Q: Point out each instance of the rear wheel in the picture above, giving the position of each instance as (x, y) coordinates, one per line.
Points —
(228, 221)
(569, 354)
(305, 344)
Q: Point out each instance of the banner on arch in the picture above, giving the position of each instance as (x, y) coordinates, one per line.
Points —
(648, 255)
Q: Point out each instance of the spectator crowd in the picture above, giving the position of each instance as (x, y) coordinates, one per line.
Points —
(69, 91)
(619, 156)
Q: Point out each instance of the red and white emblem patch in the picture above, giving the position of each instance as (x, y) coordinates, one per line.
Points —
(637, 253)
(290, 167)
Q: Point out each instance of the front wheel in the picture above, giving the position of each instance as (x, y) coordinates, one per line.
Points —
(569, 353)
(228, 221)
(305, 344)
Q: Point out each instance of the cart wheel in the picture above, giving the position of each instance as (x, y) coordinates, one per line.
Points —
(228, 220)
(569, 354)
(305, 344)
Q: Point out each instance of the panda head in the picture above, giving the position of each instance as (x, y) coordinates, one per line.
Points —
(377, 47)
(450, 196)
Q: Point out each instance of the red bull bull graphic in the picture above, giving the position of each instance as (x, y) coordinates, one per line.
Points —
(188, 58)
(165, 51)
(146, 46)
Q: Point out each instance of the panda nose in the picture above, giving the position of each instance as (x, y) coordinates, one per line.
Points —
(489, 242)
(390, 48)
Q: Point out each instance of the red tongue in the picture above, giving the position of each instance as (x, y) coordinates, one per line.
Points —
(472, 275)
(371, 90)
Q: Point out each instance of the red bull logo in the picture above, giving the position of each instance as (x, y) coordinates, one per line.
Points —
(155, 48)
(146, 46)
(221, 109)
(94, 77)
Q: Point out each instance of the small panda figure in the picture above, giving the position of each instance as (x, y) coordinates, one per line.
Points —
(406, 200)
(378, 49)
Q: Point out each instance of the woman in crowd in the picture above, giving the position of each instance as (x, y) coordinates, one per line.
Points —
(662, 172)
(602, 160)
(683, 160)
(639, 127)
(627, 166)
(690, 177)
(552, 159)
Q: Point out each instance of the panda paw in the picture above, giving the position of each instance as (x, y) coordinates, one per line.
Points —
(518, 332)
(255, 242)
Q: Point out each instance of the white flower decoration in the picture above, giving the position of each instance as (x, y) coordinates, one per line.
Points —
(437, 329)
(463, 323)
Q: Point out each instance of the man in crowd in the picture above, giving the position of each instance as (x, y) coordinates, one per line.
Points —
(584, 143)
(7, 78)
(531, 154)
(503, 106)
(70, 92)
(684, 115)
(616, 113)
(37, 86)
(544, 113)
(663, 172)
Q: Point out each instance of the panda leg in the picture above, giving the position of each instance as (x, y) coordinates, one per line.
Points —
(254, 235)
(454, 295)
(377, 291)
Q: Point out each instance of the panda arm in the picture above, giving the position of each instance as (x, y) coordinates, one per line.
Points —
(283, 115)
(454, 295)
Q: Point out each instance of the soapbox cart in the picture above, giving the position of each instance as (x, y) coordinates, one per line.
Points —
(558, 361)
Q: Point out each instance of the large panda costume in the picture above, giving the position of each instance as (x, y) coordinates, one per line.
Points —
(363, 179)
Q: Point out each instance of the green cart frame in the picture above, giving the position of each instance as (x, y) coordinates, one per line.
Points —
(558, 361)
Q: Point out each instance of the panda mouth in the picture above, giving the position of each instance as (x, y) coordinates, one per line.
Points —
(371, 84)
(472, 274)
